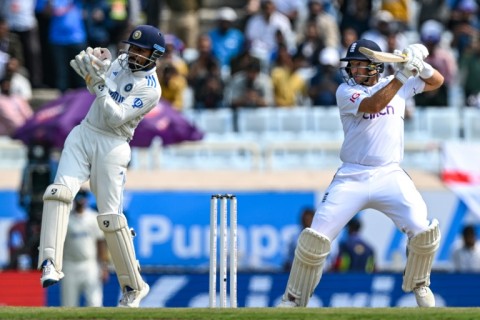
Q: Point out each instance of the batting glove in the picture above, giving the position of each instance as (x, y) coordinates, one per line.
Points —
(420, 50)
(427, 71)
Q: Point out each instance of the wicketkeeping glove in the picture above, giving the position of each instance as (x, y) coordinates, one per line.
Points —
(95, 77)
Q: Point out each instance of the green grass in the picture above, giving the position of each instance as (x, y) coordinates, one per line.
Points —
(51, 313)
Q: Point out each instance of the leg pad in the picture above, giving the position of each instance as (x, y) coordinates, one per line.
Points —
(57, 202)
(120, 244)
(420, 253)
(310, 254)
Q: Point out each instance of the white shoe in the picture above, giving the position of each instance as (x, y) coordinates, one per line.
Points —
(424, 296)
(131, 298)
(287, 304)
(50, 275)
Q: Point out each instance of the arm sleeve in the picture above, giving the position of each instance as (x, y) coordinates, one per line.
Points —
(137, 104)
(349, 99)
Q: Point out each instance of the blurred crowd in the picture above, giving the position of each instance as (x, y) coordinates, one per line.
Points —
(260, 53)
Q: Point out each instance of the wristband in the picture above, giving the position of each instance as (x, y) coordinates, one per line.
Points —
(427, 71)
(401, 77)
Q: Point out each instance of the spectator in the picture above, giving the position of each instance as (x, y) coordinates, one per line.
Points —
(466, 258)
(306, 218)
(85, 261)
(325, 82)
(289, 87)
(10, 47)
(14, 110)
(227, 41)
(20, 15)
(184, 20)
(17, 238)
(240, 62)
(173, 85)
(269, 21)
(327, 27)
(249, 88)
(290, 8)
(311, 45)
(463, 24)
(173, 54)
(383, 25)
(153, 11)
(349, 36)
(355, 14)
(67, 37)
(432, 10)
(400, 11)
(124, 15)
(470, 74)
(204, 72)
(441, 59)
(96, 14)
(19, 84)
(354, 253)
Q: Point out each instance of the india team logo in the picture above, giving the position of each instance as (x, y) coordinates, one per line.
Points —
(137, 34)
(128, 87)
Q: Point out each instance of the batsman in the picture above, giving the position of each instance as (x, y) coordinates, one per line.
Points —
(372, 111)
(98, 150)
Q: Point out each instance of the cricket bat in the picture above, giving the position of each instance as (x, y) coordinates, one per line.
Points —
(379, 56)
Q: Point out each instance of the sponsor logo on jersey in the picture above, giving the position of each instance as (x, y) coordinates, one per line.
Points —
(387, 111)
(117, 97)
(151, 81)
(137, 103)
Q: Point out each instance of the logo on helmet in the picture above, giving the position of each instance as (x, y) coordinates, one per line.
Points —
(353, 46)
(137, 34)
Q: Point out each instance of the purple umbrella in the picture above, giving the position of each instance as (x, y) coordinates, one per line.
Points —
(52, 122)
(167, 123)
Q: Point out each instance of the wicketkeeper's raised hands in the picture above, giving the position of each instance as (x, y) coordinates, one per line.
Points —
(92, 64)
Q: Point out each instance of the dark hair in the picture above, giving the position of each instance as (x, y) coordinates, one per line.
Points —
(354, 225)
(468, 230)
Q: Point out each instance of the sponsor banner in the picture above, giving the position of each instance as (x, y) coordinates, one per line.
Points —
(173, 227)
(21, 289)
(266, 289)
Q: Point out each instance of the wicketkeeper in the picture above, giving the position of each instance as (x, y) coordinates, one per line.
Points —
(98, 150)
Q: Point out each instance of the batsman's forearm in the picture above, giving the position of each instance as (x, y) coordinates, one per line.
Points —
(381, 98)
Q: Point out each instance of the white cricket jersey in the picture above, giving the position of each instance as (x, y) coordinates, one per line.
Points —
(374, 139)
(82, 236)
(120, 112)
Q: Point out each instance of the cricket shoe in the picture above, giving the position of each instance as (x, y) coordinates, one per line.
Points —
(287, 304)
(50, 275)
(131, 298)
(424, 297)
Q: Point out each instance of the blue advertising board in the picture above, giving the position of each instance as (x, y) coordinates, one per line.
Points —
(266, 289)
(173, 227)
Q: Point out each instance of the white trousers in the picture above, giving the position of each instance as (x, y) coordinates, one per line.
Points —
(81, 278)
(101, 157)
(387, 189)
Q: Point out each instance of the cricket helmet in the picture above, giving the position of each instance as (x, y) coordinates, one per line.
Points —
(353, 53)
(146, 37)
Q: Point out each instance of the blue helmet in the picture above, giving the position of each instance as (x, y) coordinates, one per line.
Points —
(353, 53)
(146, 37)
